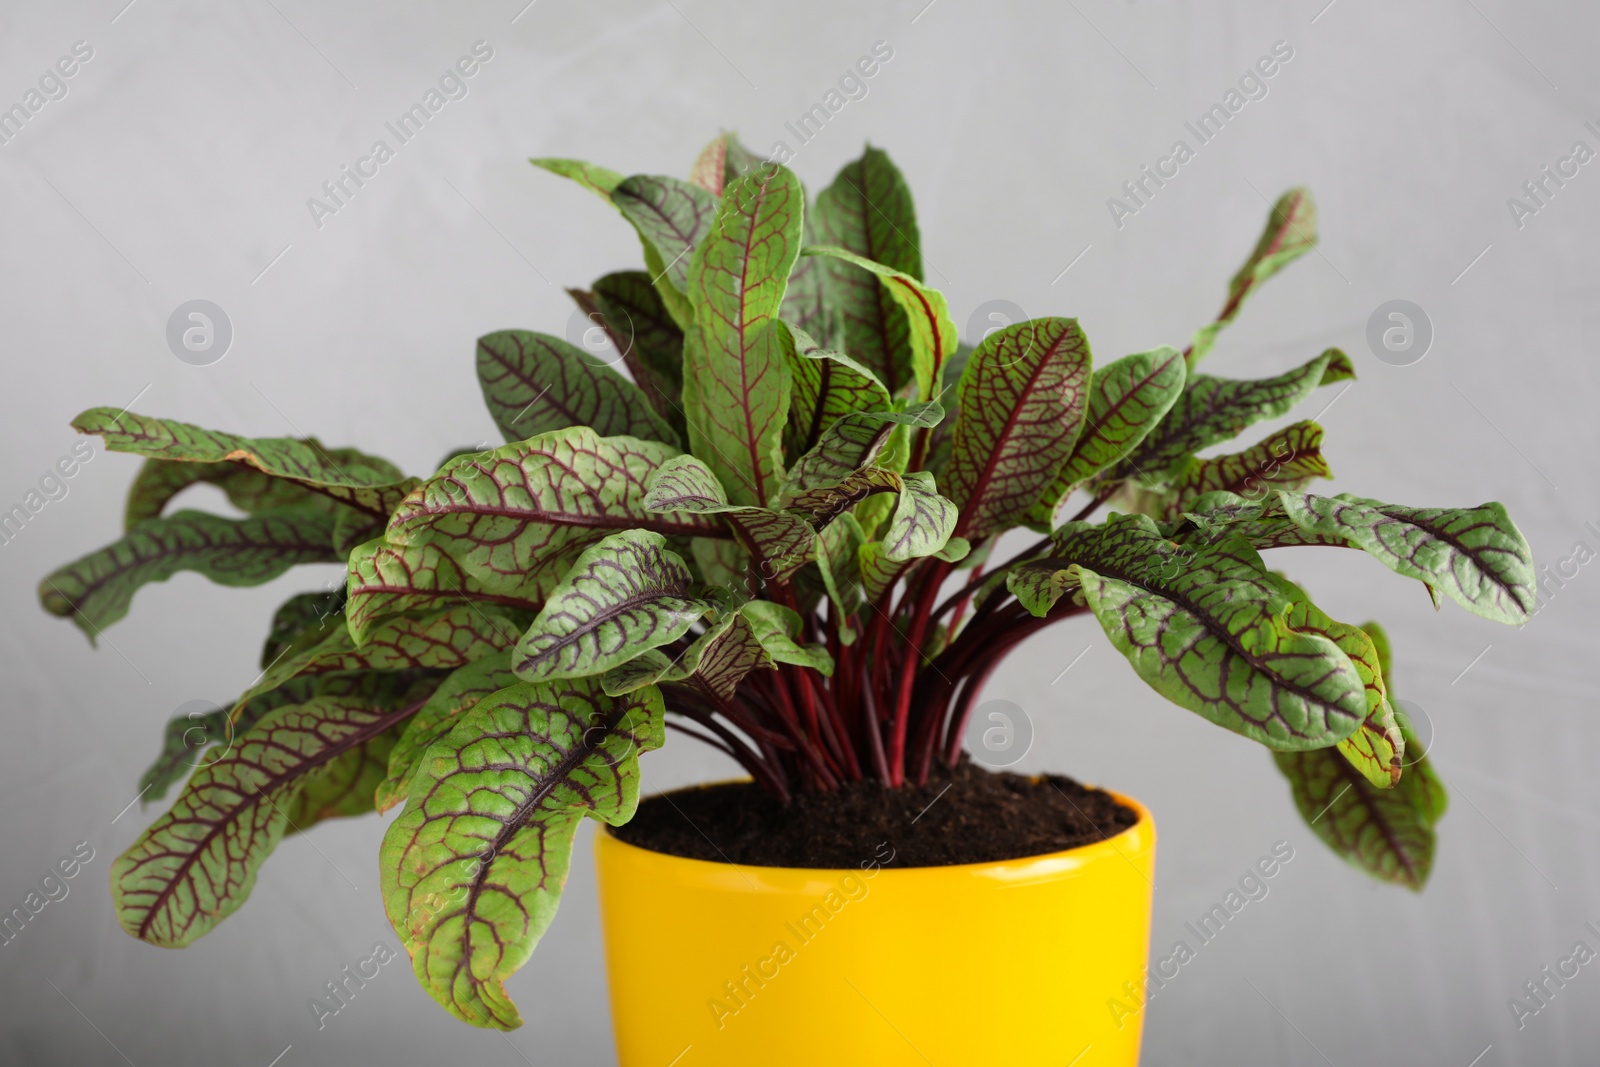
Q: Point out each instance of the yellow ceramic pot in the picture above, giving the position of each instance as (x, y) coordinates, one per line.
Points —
(1018, 963)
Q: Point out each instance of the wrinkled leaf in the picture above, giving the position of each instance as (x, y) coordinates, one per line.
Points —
(388, 579)
(625, 594)
(781, 543)
(851, 443)
(534, 383)
(1205, 627)
(473, 869)
(1475, 556)
(1211, 410)
(922, 522)
(525, 510)
(822, 505)
(1037, 586)
(931, 333)
(1376, 749)
(348, 477)
(777, 628)
(717, 660)
(1287, 459)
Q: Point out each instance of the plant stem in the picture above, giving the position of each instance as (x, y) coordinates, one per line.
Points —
(931, 581)
(874, 731)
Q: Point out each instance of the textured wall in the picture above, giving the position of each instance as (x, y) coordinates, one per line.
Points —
(178, 165)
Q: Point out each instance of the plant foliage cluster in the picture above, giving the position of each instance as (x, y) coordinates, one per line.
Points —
(773, 533)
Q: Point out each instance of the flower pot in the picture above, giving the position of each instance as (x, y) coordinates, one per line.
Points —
(1008, 963)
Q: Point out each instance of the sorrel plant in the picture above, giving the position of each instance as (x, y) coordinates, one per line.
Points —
(774, 534)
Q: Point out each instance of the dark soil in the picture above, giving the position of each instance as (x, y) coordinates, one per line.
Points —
(966, 815)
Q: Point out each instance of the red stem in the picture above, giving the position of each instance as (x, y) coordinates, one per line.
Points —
(874, 731)
(908, 668)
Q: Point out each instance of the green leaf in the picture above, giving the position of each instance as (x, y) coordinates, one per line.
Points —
(346, 785)
(597, 180)
(1218, 409)
(160, 480)
(1037, 586)
(879, 573)
(534, 383)
(1205, 628)
(922, 522)
(184, 744)
(1376, 749)
(1127, 399)
(1475, 556)
(306, 615)
(740, 161)
(807, 303)
(1287, 459)
(838, 558)
(781, 543)
(1291, 232)
(444, 640)
(778, 628)
(634, 313)
(1022, 401)
(525, 510)
(198, 738)
(647, 668)
(939, 439)
(352, 529)
(725, 566)
(868, 211)
(717, 660)
(358, 481)
(196, 864)
(1262, 522)
(1387, 833)
(735, 383)
(672, 217)
(853, 442)
(825, 503)
(931, 333)
(824, 387)
(730, 649)
(473, 870)
(388, 579)
(459, 693)
(625, 594)
(95, 591)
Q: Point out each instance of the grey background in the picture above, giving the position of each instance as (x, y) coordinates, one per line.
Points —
(179, 165)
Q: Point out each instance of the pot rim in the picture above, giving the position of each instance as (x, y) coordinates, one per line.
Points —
(1020, 870)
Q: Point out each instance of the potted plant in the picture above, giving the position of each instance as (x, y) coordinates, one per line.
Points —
(774, 533)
